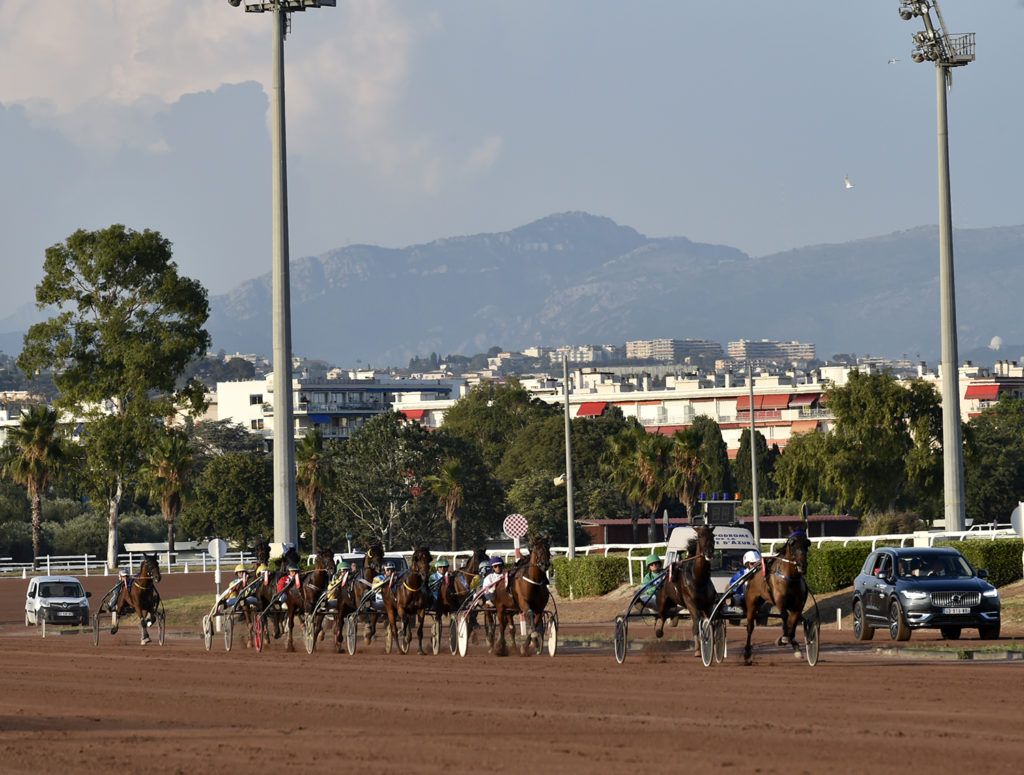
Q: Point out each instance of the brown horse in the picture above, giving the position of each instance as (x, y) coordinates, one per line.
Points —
(273, 608)
(315, 583)
(690, 581)
(525, 591)
(780, 582)
(348, 589)
(454, 587)
(140, 595)
(408, 599)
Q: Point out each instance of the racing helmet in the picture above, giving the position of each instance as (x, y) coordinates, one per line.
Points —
(239, 568)
(496, 560)
(389, 565)
(293, 567)
(442, 563)
(751, 556)
(122, 572)
(652, 558)
(261, 569)
(485, 568)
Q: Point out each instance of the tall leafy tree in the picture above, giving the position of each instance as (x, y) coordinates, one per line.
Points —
(126, 326)
(492, 415)
(167, 474)
(35, 454)
(619, 465)
(233, 499)
(994, 461)
(765, 465)
(715, 455)
(314, 475)
(686, 469)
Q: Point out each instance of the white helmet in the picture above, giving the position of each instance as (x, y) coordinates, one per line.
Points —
(751, 556)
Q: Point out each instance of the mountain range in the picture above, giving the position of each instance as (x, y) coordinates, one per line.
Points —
(576, 278)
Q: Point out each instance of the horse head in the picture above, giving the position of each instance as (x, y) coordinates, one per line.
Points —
(374, 561)
(151, 566)
(478, 557)
(705, 545)
(421, 560)
(325, 560)
(540, 552)
(262, 550)
(291, 557)
(796, 549)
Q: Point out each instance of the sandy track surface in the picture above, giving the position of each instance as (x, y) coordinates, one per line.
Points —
(69, 706)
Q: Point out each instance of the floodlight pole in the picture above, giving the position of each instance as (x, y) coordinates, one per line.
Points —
(753, 457)
(286, 526)
(570, 511)
(935, 44)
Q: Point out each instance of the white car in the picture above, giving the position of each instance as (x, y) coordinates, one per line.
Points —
(56, 600)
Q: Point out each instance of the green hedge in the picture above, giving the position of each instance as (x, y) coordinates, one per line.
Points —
(588, 574)
(834, 567)
(1001, 558)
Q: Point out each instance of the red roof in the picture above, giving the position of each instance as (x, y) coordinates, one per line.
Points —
(413, 414)
(591, 409)
(982, 392)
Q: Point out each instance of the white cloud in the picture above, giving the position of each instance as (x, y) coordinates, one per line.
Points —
(484, 155)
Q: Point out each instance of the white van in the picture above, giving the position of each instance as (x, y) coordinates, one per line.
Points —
(731, 543)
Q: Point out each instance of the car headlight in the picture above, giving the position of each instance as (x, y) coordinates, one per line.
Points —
(44, 604)
(990, 593)
(913, 594)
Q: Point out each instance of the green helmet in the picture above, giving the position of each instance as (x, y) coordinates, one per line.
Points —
(653, 558)
(442, 563)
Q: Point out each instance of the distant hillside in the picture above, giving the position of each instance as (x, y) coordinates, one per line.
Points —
(578, 278)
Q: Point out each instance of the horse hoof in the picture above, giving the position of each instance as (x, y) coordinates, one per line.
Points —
(145, 642)
(523, 651)
(797, 654)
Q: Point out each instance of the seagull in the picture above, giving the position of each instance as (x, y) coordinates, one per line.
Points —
(847, 179)
(894, 60)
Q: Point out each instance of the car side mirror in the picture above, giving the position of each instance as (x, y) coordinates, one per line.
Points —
(88, 594)
(982, 573)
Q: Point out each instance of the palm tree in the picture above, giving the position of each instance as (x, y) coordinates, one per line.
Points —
(167, 473)
(688, 468)
(619, 464)
(449, 488)
(653, 461)
(35, 454)
(314, 476)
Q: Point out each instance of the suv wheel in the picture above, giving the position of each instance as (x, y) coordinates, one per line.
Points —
(950, 633)
(898, 629)
(861, 630)
(989, 631)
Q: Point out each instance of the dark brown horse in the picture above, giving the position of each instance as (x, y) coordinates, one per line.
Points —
(524, 591)
(278, 612)
(455, 586)
(315, 583)
(780, 582)
(688, 584)
(409, 599)
(140, 595)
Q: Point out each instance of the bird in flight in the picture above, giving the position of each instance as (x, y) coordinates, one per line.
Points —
(846, 178)
(894, 60)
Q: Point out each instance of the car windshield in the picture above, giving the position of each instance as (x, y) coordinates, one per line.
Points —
(61, 589)
(948, 566)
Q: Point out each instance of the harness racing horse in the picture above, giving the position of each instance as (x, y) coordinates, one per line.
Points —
(780, 582)
(525, 591)
(348, 590)
(266, 593)
(692, 579)
(314, 583)
(409, 597)
(456, 586)
(141, 595)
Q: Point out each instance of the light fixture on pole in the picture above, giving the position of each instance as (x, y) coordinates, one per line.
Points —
(286, 526)
(935, 44)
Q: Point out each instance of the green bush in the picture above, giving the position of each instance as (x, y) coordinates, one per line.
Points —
(834, 567)
(588, 574)
(1001, 558)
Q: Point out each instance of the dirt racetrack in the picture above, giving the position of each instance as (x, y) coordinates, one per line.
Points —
(68, 706)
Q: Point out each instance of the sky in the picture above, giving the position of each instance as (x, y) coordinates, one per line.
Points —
(409, 121)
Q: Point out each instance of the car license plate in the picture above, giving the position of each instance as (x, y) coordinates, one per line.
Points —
(956, 610)
(65, 613)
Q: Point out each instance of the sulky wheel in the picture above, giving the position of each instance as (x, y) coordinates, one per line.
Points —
(620, 639)
(812, 629)
(462, 635)
(435, 636)
(706, 636)
(228, 623)
(96, 629)
(721, 645)
(161, 625)
(388, 641)
(453, 636)
(350, 633)
(309, 633)
(207, 632)
(551, 635)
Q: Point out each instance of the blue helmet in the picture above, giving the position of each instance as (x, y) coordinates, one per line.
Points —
(496, 560)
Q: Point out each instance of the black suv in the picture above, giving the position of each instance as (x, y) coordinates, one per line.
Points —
(917, 588)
